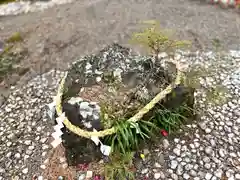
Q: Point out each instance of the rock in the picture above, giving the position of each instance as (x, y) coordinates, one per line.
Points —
(237, 176)
(2, 170)
(229, 173)
(206, 159)
(174, 176)
(89, 174)
(208, 176)
(82, 177)
(60, 178)
(207, 166)
(157, 175)
(62, 159)
(214, 178)
(84, 105)
(208, 130)
(186, 176)
(188, 167)
(98, 79)
(222, 152)
(65, 165)
(208, 150)
(40, 178)
(202, 125)
(177, 151)
(43, 166)
(179, 170)
(25, 171)
(165, 143)
(17, 156)
(193, 173)
(161, 159)
(27, 142)
(218, 173)
(157, 165)
(174, 164)
(9, 154)
(144, 171)
(146, 152)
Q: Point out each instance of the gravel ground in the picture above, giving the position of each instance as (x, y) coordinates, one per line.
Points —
(25, 128)
(58, 35)
(209, 148)
(205, 149)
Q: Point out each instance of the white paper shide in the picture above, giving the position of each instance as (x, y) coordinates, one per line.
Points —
(58, 133)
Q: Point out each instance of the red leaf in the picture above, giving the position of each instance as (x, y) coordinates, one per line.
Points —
(82, 167)
(164, 132)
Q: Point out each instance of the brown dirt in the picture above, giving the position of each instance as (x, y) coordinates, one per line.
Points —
(54, 167)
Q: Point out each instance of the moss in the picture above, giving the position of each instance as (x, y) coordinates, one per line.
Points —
(120, 167)
(16, 37)
(6, 1)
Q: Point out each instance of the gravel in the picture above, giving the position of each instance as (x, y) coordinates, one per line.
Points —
(208, 148)
(195, 153)
(15, 8)
(25, 128)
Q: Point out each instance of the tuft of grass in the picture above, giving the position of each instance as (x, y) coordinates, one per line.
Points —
(170, 120)
(120, 167)
(6, 1)
(216, 95)
(16, 37)
(157, 40)
(129, 135)
(8, 63)
(11, 56)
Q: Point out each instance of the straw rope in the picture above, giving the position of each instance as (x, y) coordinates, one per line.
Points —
(87, 134)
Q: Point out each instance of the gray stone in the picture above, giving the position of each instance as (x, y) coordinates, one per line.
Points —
(43, 166)
(157, 165)
(206, 159)
(27, 142)
(174, 176)
(208, 176)
(237, 176)
(25, 171)
(2, 170)
(208, 150)
(177, 151)
(144, 171)
(186, 176)
(40, 178)
(165, 143)
(202, 125)
(208, 130)
(193, 173)
(222, 152)
(9, 154)
(179, 170)
(174, 164)
(17, 155)
(207, 166)
(157, 175)
(188, 167)
(214, 178)
(84, 105)
(218, 173)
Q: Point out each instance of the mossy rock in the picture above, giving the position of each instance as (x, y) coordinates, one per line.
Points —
(121, 84)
